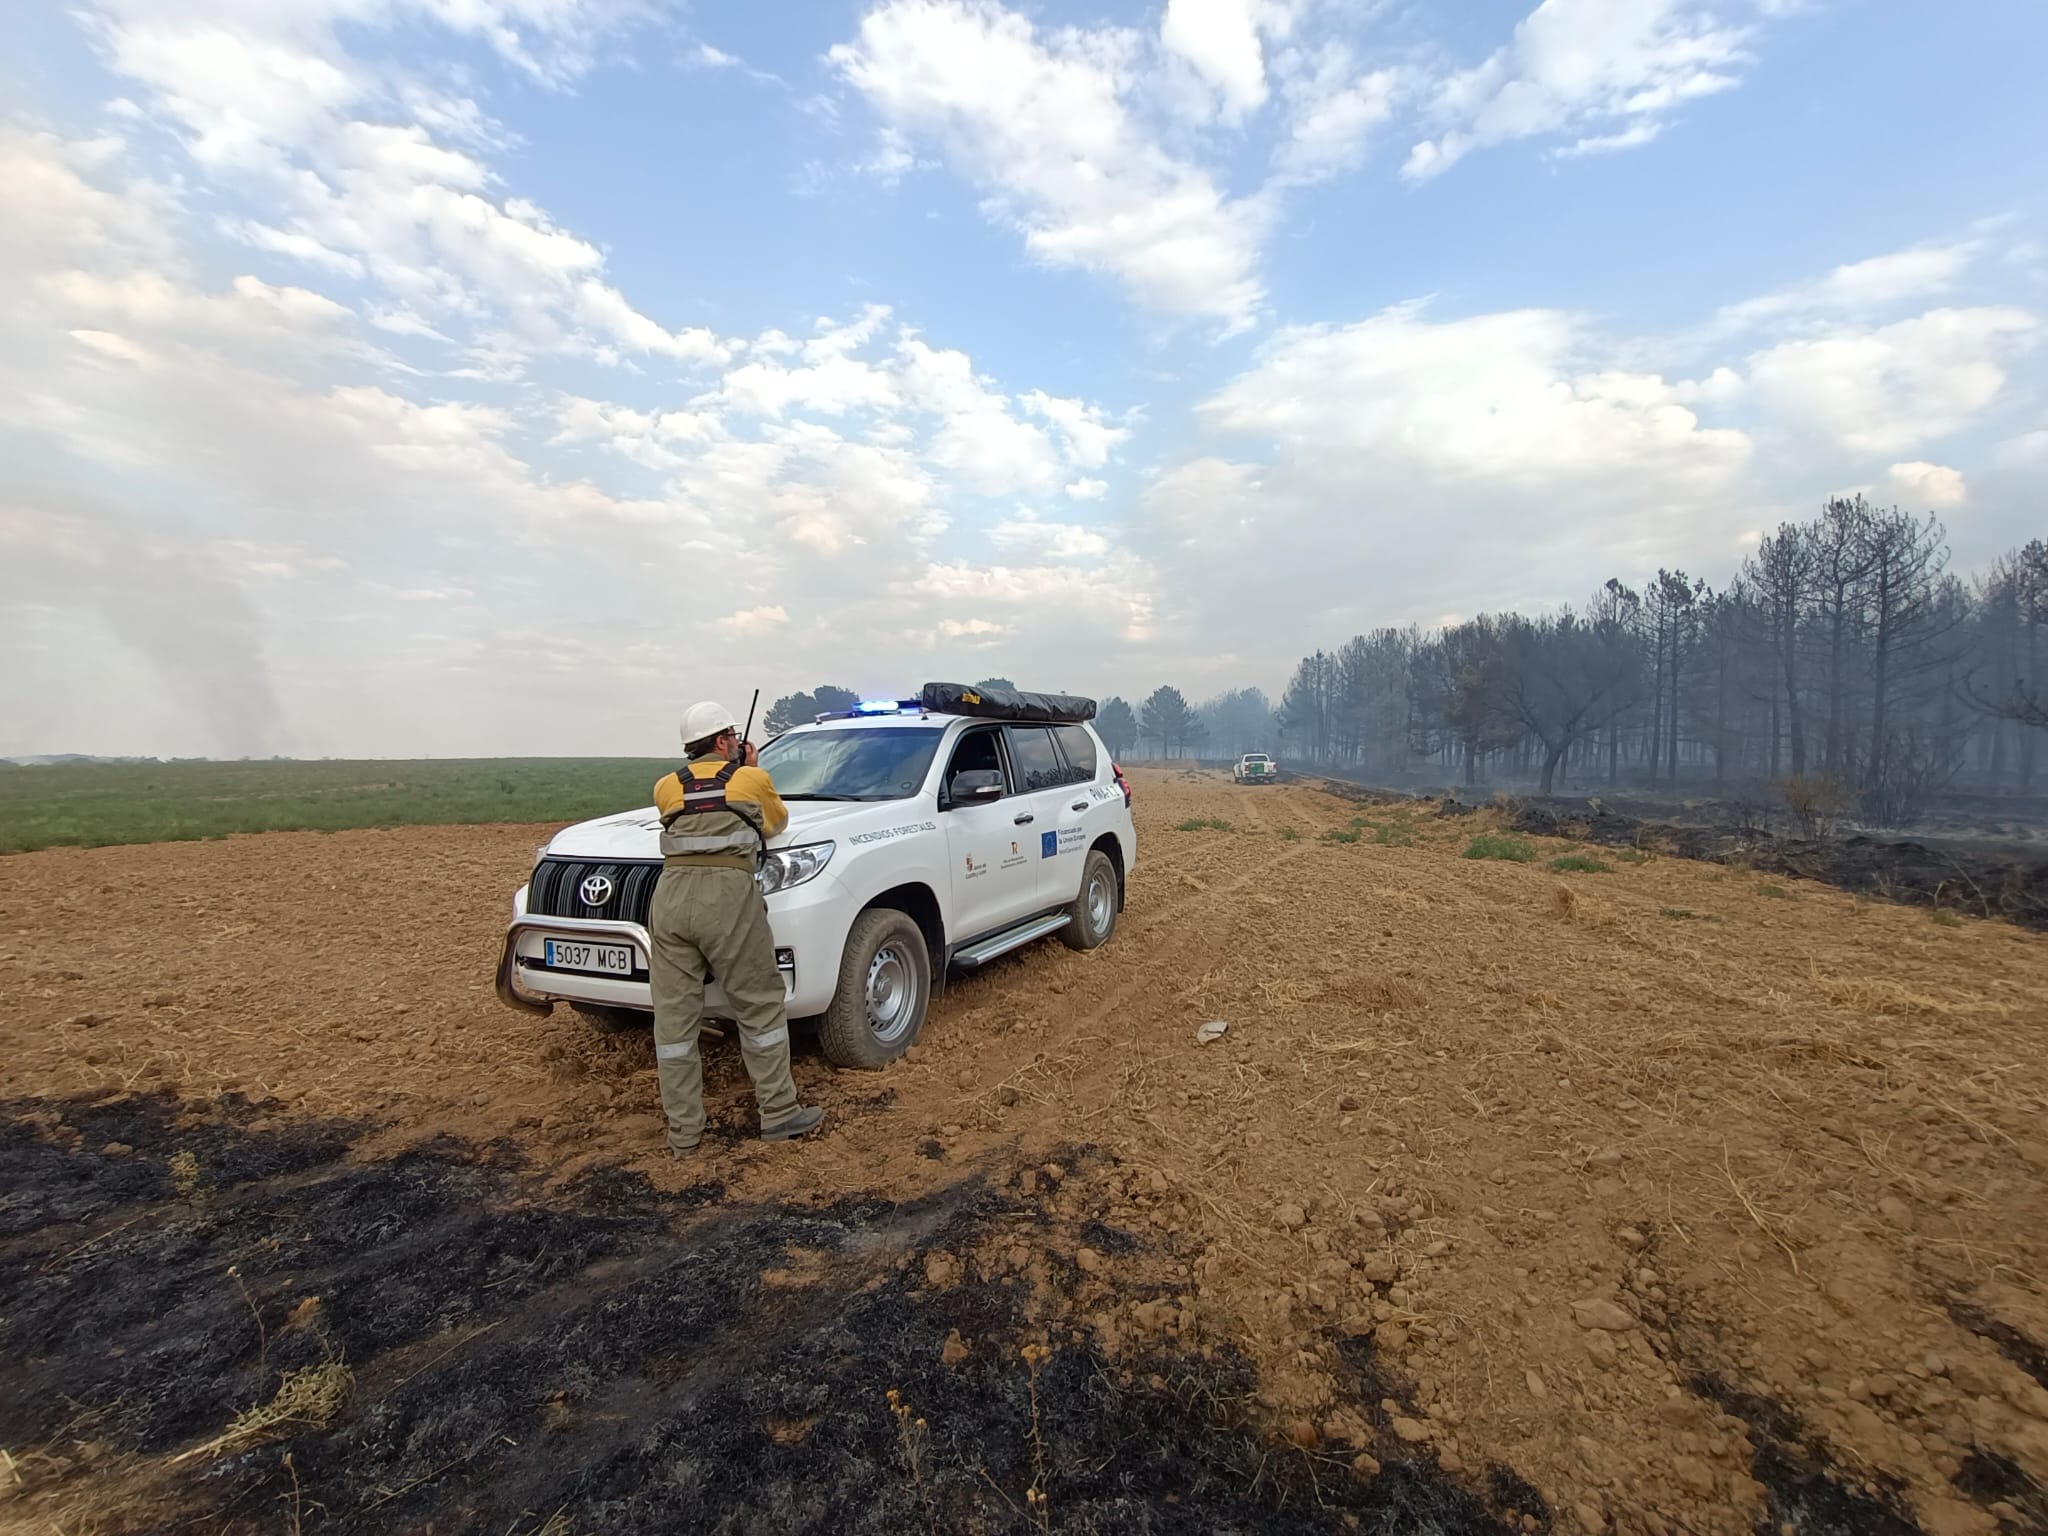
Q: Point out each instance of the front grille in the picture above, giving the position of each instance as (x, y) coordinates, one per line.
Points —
(556, 889)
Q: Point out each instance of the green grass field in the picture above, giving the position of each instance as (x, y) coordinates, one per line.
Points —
(95, 804)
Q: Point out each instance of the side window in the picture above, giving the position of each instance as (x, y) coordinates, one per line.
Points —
(1032, 755)
(977, 752)
(1079, 747)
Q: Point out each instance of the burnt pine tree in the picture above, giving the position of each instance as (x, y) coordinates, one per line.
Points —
(1117, 725)
(1167, 719)
(1561, 680)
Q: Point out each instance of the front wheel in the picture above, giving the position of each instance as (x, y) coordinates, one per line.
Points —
(1093, 914)
(885, 987)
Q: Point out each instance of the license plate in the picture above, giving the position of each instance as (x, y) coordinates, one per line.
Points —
(574, 955)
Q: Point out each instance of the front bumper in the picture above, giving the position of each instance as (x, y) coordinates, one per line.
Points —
(808, 941)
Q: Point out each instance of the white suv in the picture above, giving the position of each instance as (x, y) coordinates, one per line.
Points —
(923, 833)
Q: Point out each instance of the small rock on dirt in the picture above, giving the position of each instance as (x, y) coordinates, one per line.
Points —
(1601, 1347)
(1602, 1314)
(1348, 1102)
(1695, 1474)
(954, 1350)
(1896, 1213)
(941, 1269)
(1008, 1094)
(1538, 1387)
(1089, 1261)
(1629, 1238)
(1413, 1431)
(82, 1021)
(1365, 1466)
(1212, 1031)
(1303, 1433)
(1380, 1269)
(1292, 1217)
(116, 1149)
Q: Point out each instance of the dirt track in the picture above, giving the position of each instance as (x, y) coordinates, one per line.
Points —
(1691, 1205)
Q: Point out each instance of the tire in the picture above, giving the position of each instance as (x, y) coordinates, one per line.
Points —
(1094, 910)
(878, 1009)
(612, 1021)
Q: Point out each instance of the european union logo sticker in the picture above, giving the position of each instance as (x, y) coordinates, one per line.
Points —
(1048, 844)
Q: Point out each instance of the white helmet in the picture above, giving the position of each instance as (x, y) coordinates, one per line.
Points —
(701, 722)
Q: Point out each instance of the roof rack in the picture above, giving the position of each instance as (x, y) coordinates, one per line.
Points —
(1006, 704)
(976, 703)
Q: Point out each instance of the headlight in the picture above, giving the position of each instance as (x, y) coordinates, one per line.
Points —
(782, 868)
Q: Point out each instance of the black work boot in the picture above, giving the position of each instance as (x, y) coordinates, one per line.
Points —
(804, 1121)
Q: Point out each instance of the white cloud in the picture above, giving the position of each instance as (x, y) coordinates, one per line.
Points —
(1219, 39)
(978, 438)
(269, 97)
(1610, 71)
(755, 621)
(1113, 598)
(1089, 439)
(1041, 121)
(1087, 490)
(1334, 107)
(1506, 395)
(1930, 485)
(1874, 283)
(1025, 535)
(1891, 389)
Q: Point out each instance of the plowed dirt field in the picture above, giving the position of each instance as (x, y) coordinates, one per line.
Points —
(1665, 1198)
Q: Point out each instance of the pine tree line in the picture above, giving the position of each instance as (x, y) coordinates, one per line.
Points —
(1844, 657)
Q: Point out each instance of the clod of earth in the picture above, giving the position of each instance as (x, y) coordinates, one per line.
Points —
(1603, 1314)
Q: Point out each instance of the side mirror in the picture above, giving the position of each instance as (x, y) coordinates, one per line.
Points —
(972, 785)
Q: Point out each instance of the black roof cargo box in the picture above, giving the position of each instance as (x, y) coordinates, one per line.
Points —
(1006, 704)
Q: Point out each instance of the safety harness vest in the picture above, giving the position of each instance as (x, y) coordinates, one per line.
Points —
(725, 827)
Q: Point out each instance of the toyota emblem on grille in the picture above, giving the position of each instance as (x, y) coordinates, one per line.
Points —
(597, 890)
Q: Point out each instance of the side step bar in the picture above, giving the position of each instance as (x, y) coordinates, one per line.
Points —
(981, 951)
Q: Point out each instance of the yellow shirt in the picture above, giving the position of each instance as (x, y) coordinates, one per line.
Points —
(750, 786)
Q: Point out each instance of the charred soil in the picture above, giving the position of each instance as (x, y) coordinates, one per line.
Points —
(598, 1355)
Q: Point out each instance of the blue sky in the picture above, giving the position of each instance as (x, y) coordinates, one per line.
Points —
(412, 376)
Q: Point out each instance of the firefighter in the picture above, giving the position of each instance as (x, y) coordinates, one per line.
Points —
(717, 813)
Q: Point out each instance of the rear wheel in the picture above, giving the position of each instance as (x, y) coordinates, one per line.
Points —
(611, 1021)
(1093, 914)
(885, 989)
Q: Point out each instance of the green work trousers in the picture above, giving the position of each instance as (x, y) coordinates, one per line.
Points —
(713, 918)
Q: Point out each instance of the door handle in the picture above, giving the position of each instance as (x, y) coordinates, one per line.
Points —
(1078, 805)
(1027, 816)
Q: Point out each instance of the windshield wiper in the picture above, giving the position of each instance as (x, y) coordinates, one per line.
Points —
(823, 797)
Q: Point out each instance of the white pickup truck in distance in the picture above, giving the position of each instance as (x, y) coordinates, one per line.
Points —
(923, 834)
(1256, 768)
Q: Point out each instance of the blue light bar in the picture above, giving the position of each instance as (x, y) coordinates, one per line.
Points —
(877, 707)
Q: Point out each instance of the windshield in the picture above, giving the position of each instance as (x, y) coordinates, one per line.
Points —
(852, 764)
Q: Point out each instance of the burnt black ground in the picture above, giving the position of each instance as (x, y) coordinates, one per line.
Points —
(598, 1355)
(1981, 879)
